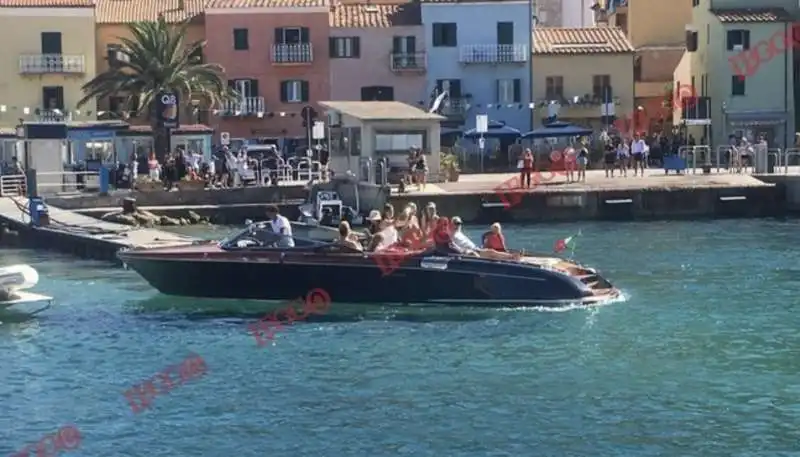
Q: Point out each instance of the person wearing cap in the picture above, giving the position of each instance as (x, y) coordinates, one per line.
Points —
(383, 230)
(280, 226)
(374, 220)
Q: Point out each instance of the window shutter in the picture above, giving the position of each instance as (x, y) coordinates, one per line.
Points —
(396, 46)
(253, 88)
(356, 47)
(746, 40)
(332, 47)
(305, 35)
(411, 44)
(304, 96)
(497, 93)
(284, 91)
(437, 34)
(278, 35)
(455, 88)
(60, 97)
(517, 90)
(452, 34)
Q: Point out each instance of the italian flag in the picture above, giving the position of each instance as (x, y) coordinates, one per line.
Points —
(562, 245)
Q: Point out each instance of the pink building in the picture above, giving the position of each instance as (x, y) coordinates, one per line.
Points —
(376, 52)
(275, 54)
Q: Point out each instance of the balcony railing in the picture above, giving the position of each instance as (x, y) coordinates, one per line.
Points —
(494, 53)
(52, 63)
(455, 107)
(695, 108)
(247, 106)
(403, 62)
(52, 115)
(292, 53)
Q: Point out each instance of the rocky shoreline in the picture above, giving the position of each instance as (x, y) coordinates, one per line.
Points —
(131, 216)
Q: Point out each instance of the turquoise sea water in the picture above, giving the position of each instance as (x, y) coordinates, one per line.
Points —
(702, 359)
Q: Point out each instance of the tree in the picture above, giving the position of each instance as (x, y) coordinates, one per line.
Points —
(158, 60)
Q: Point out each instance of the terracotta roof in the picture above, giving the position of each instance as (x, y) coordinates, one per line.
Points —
(365, 16)
(221, 4)
(732, 15)
(46, 3)
(127, 11)
(467, 1)
(573, 41)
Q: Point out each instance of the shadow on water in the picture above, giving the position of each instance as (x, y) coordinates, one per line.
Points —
(168, 308)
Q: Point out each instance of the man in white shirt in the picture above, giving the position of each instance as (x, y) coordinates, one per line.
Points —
(638, 148)
(280, 226)
(465, 246)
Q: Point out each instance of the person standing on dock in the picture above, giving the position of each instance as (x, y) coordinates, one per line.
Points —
(526, 169)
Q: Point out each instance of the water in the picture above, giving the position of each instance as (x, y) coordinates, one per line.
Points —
(700, 360)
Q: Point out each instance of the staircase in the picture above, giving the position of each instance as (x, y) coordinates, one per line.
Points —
(12, 186)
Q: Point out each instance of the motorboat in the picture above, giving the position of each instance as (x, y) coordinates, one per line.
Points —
(15, 281)
(325, 207)
(256, 264)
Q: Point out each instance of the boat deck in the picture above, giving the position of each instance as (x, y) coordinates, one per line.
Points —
(76, 230)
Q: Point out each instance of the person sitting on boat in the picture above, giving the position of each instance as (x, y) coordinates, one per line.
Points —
(462, 241)
(385, 236)
(408, 232)
(347, 237)
(494, 239)
(374, 219)
(280, 226)
(387, 216)
(429, 218)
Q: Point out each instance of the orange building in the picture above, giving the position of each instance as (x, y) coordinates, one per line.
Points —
(275, 54)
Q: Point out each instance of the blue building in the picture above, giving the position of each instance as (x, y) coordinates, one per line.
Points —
(479, 52)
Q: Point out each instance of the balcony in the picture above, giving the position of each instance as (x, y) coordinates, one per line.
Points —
(408, 62)
(52, 63)
(51, 115)
(493, 53)
(455, 108)
(247, 106)
(695, 110)
(287, 54)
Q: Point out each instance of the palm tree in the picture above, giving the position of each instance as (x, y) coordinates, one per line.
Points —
(157, 60)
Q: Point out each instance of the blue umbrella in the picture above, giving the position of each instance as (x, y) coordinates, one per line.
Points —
(496, 129)
(558, 129)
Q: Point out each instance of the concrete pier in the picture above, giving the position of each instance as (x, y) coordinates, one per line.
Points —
(485, 198)
(77, 234)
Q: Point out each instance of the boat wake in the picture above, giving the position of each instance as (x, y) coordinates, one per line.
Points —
(622, 297)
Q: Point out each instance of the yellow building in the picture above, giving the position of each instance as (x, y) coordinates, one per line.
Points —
(113, 16)
(582, 74)
(48, 53)
(657, 30)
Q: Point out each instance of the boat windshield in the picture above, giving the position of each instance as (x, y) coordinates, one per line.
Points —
(260, 234)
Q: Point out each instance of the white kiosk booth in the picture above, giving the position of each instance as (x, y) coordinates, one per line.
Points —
(361, 134)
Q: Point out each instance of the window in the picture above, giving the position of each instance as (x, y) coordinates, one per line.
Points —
(637, 69)
(394, 142)
(451, 86)
(622, 22)
(244, 87)
(695, 3)
(377, 94)
(53, 97)
(404, 45)
(115, 55)
(601, 87)
(737, 85)
(554, 87)
(445, 34)
(505, 33)
(51, 42)
(508, 91)
(241, 41)
(345, 48)
(738, 40)
(294, 91)
(292, 35)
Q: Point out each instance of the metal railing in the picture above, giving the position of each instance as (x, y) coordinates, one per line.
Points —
(246, 106)
(493, 53)
(274, 171)
(292, 53)
(51, 63)
(455, 107)
(408, 61)
(60, 182)
(12, 185)
(52, 115)
(366, 170)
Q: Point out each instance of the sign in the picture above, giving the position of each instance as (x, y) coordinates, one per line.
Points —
(435, 263)
(482, 143)
(481, 123)
(318, 131)
(225, 138)
(167, 104)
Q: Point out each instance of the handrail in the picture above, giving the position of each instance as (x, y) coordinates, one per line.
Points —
(67, 181)
(788, 153)
(303, 168)
(366, 166)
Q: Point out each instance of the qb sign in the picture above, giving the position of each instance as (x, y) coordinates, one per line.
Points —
(167, 109)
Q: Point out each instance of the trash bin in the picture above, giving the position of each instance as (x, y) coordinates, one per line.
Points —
(772, 159)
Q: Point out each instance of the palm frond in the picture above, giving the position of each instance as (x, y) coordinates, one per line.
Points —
(159, 59)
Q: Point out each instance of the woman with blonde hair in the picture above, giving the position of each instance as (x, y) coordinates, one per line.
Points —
(429, 218)
(494, 239)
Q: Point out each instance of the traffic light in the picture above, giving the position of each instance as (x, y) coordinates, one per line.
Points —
(309, 115)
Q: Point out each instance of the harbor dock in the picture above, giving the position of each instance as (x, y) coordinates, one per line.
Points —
(77, 234)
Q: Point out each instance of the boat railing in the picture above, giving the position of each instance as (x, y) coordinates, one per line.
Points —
(382, 172)
(12, 185)
(367, 171)
(787, 158)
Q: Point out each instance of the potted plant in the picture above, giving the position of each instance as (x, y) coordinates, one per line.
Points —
(449, 165)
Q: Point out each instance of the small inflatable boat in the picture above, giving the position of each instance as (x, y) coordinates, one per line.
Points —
(15, 280)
